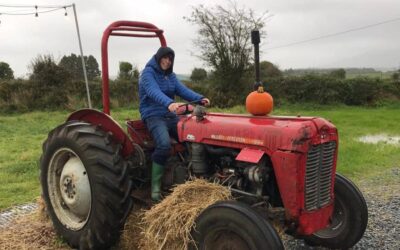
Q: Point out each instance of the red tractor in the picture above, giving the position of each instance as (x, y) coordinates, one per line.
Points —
(92, 172)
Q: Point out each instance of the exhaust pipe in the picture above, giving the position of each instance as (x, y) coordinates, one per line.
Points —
(255, 40)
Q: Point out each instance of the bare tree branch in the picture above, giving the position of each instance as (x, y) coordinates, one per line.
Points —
(224, 38)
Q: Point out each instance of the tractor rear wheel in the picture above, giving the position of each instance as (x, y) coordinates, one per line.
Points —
(235, 226)
(85, 185)
(349, 219)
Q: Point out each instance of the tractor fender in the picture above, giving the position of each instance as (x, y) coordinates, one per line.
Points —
(106, 123)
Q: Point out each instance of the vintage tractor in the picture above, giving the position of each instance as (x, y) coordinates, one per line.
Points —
(92, 172)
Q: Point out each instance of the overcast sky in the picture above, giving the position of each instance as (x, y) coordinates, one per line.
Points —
(24, 37)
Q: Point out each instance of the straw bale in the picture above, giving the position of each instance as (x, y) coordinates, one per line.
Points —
(167, 225)
(132, 232)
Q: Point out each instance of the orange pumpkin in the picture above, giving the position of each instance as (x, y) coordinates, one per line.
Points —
(259, 102)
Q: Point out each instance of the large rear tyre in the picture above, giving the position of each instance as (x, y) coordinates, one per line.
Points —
(85, 185)
(349, 219)
(235, 226)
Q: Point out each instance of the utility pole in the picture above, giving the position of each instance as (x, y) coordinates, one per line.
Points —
(83, 60)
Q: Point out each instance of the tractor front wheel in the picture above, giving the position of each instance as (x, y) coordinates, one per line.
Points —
(233, 225)
(85, 185)
(349, 219)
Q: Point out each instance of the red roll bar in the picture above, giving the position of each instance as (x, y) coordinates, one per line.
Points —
(123, 28)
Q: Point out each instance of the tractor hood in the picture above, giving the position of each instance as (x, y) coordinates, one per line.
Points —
(268, 133)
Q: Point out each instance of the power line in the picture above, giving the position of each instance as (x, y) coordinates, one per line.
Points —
(36, 11)
(335, 34)
(29, 13)
(19, 10)
(34, 6)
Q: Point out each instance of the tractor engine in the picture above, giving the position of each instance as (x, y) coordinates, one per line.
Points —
(219, 165)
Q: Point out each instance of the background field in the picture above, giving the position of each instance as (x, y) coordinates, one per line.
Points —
(22, 136)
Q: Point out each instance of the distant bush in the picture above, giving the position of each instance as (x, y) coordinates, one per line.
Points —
(325, 89)
(198, 75)
(338, 73)
(222, 96)
(6, 73)
(26, 95)
(311, 88)
(124, 92)
(363, 91)
(73, 65)
(320, 89)
(16, 95)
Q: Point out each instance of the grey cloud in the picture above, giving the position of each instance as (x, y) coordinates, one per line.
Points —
(22, 38)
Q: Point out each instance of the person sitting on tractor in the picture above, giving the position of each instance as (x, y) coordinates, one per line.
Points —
(158, 86)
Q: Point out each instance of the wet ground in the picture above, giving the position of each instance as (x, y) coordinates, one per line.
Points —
(380, 138)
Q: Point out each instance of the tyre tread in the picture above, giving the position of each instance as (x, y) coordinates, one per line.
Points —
(109, 174)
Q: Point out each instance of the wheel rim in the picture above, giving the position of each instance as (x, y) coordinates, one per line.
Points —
(338, 221)
(224, 239)
(69, 189)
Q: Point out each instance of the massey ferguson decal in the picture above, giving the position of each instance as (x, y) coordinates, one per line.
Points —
(237, 139)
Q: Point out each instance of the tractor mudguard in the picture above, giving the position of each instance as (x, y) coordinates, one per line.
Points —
(107, 123)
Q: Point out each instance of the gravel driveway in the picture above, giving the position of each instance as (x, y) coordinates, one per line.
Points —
(382, 194)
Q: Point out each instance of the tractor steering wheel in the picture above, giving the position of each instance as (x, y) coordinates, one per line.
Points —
(188, 108)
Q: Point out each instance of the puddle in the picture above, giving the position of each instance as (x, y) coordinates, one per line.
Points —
(380, 138)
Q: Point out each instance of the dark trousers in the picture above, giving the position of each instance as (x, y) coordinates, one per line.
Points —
(161, 128)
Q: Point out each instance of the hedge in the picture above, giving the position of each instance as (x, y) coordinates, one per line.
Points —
(26, 95)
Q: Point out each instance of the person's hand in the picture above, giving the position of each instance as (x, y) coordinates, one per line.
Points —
(174, 106)
(206, 101)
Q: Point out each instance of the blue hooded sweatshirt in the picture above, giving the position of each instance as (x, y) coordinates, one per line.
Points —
(157, 88)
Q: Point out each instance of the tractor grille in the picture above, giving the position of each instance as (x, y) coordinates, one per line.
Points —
(319, 175)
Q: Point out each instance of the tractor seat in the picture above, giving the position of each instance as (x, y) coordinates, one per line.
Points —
(140, 135)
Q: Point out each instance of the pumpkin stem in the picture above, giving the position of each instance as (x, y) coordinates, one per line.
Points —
(260, 89)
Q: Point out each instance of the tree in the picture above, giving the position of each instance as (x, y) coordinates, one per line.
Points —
(73, 65)
(127, 71)
(198, 74)
(92, 67)
(338, 73)
(396, 80)
(267, 70)
(46, 71)
(224, 40)
(6, 73)
(396, 76)
(48, 82)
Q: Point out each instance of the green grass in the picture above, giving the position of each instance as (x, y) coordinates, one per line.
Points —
(20, 149)
(22, 136)
(382, 75)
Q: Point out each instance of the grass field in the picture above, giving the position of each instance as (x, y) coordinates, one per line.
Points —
(22, 136)
(382, 75)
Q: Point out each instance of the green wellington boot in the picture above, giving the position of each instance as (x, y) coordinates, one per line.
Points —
(156, 174)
